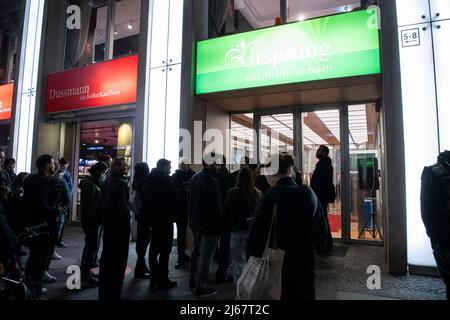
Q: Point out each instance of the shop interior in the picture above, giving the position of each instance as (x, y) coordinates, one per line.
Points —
(324, 127)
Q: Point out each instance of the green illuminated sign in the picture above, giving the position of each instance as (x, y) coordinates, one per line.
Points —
(343, 45)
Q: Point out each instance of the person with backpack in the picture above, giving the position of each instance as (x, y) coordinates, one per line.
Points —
(40, 210)
(90, 187)
(435, 210)
(141, 172)
(322, 185)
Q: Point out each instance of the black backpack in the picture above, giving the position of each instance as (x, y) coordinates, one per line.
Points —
(435, 204)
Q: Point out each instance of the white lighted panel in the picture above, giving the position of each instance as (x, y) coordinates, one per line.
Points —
(163, 95)
(420, 118)
(27, 85)
(441, 37)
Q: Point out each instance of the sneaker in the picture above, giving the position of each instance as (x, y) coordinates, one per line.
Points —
(138, 274)
(48, 278)
(62, 245)
(56, 256)
(204, 292)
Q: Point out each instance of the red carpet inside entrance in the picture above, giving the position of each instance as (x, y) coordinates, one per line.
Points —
(335, 222)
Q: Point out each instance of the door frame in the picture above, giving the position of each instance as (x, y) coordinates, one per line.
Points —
(76, 153)
(297, 111)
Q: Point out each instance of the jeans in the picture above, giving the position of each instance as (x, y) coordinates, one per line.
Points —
(161, 244)
(113, 263)
(90, 247)
(62, 219)
(202, 256)
(36, 266)
(443, 262)
(238, 246)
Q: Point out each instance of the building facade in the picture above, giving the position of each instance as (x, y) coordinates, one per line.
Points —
(134, 78)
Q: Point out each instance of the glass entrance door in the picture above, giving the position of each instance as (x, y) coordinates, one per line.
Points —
(354, 137)
(323, 128)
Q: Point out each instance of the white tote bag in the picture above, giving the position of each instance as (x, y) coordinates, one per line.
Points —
(261, 277)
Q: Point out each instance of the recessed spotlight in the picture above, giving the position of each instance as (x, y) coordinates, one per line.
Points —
(116, 33)
(130, 26)
(301, 18)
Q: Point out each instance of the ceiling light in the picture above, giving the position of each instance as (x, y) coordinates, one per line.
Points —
(116, 33)
(130, 26)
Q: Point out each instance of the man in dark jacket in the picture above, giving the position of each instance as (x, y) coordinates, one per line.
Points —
(159, 206)
(435, 205)
(37, 199)
(300, 225)
(322, 183)
(226, 182)
(182, 179)
(59, 198)
(205, 221)
(115, 219)
(90, 220)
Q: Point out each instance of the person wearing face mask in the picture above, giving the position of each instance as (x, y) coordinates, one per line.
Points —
(90, 220)
(300, 228)
(115, 219)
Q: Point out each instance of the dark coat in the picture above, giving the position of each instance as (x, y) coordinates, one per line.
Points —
(435, 203)
(226, 182)
(40, 204)
(182, 182)
(262, 184)
(115, 200)
(9, 247)
(159, 198)
(205, 214)
(90, 203)
(299, 225)
(322, 180)
(238, 211)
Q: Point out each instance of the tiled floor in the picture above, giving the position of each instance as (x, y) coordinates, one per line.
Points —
(341, 277)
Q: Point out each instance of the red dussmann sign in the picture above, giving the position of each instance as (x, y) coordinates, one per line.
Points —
(6, 98)
(99, 85)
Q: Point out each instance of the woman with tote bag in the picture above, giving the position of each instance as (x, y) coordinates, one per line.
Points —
(288, 224)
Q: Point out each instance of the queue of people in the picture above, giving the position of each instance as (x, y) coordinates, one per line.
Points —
(226, 212)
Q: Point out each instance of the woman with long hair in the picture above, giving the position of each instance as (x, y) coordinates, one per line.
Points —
(239, 209)
(141, 172)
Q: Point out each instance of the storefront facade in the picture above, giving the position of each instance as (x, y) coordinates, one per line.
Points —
(136, 75)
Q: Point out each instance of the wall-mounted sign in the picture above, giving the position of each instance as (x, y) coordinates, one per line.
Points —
(338, 46)
(6, 98)
(99, 85)
(410, 37)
